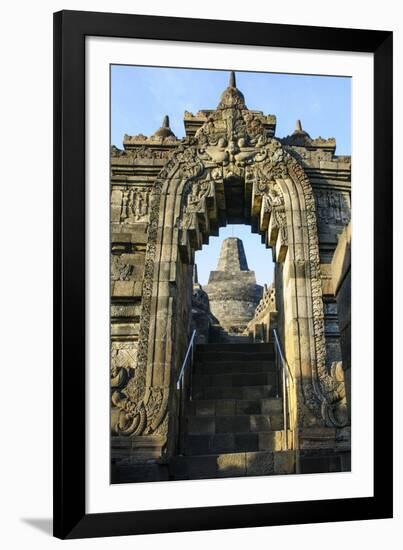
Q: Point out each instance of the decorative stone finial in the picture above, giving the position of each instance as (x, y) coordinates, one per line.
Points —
(299, 131)
(195, 275)
(232, 81)
(165, 130)
(232, 97)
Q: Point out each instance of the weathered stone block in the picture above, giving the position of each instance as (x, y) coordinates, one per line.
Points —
(124, 329)
(259, 423)
(122, 288)
(247, 407)
(204, 408)
(231, 465)
(271, 441)
(223, 442)
(227, 424)
(271, 406)
(259, 464)
(246, 442)
(284, 462)
(277, 421)
(225, 407)
(202, 467)
(138, 233)
(201, 424)
(197, 444)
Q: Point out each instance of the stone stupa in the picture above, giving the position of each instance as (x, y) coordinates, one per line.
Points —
(232, 290)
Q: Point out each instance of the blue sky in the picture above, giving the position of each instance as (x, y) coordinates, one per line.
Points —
(141, 96)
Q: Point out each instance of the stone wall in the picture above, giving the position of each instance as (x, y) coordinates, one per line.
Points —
(265, 318)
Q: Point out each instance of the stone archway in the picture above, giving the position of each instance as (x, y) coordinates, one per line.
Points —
(187, 204)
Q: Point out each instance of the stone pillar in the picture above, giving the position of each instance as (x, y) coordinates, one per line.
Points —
(341, 277)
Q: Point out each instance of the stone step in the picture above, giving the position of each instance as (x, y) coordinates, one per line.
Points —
(235, 338)
(233, 367)
(132, 473)
(232, 465)
(206, 444)
(249, 348)
(221, 336)
(223, 407)
(241, 423)
(235, 392)
(234, 379)
(242, 356)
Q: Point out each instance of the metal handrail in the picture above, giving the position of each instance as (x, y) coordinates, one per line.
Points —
(286, 373)
(283, 360)
(184, 364)
(179, 387)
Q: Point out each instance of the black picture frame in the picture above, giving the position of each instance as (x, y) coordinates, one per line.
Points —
(70, 517)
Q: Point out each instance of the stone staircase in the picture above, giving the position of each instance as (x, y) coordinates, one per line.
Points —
(233, 426)
(219, 335)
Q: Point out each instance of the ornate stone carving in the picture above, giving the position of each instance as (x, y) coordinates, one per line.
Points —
(143, 409)
(324, 388)
(116, 152)
(123, 358)
(150, 153)
(120, 270)
(331, 207)
(273, 206)
(231, 122)
(119, 373)
(268, 301)
(139, 138)
(194, 194)
(135, 203)
(141, 152)
(320, 394)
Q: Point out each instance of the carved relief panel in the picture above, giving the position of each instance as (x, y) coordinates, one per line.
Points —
(332, 206)
(135, 205)
(127, 267)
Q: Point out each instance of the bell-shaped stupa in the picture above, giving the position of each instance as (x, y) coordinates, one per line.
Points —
(232, 290)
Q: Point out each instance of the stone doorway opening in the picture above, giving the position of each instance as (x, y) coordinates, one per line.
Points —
(233, 414)
(233, 298)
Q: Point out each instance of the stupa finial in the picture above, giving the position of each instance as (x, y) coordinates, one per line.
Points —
(232, 80)
(231, 96)
(165, 130)
(232, 256)
(299, 131)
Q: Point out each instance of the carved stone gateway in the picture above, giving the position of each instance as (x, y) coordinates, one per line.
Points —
(168, 197)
